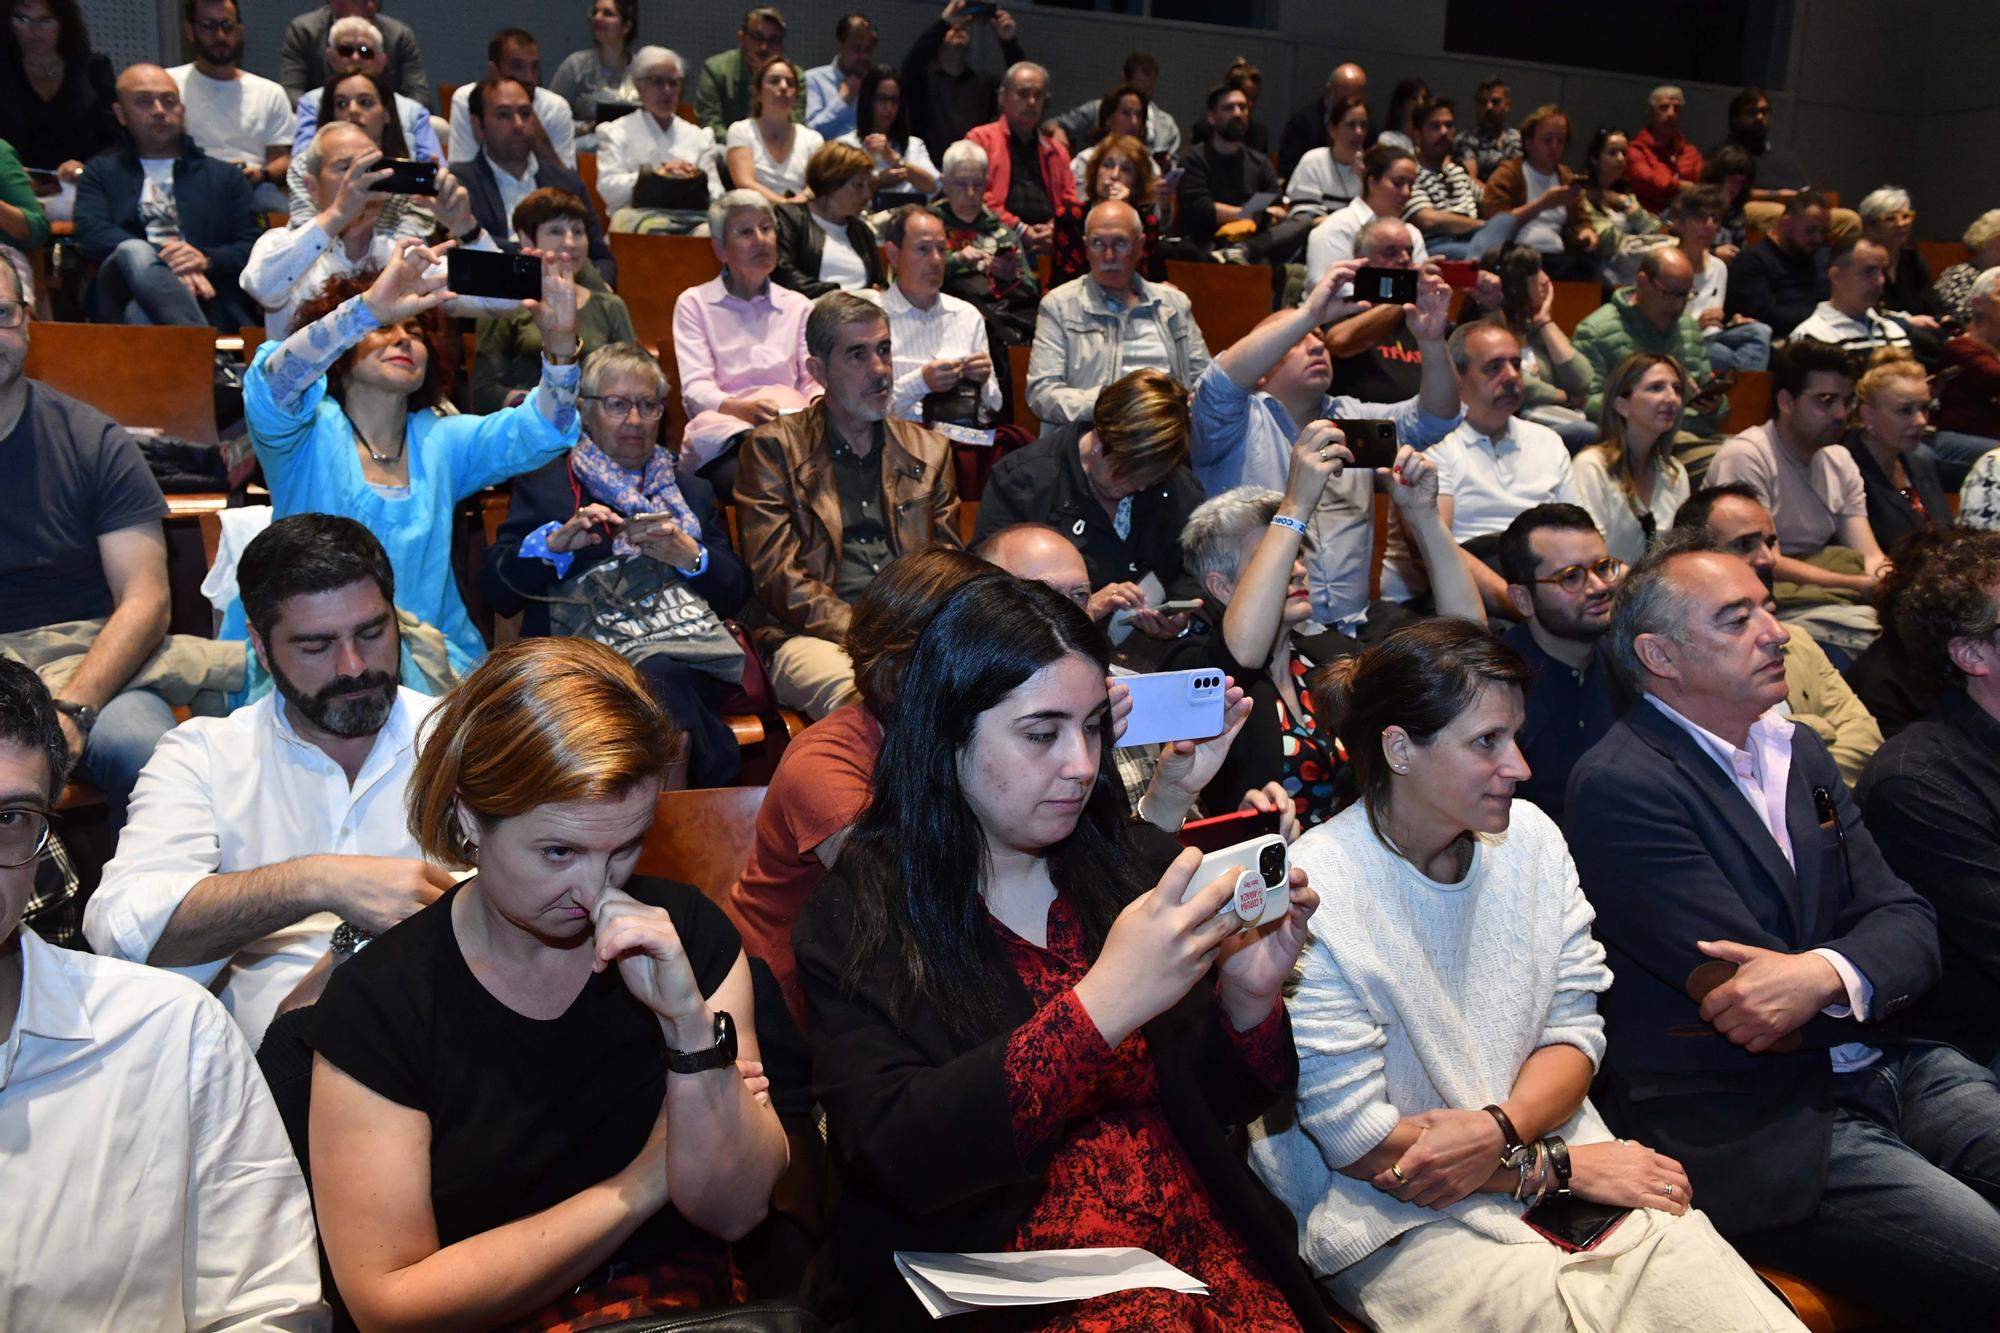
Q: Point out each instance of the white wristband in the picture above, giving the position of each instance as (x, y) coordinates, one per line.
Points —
(1287, 521)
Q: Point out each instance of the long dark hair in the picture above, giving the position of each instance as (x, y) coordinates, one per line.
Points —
(916, 862)
(72, 34)
(393, 144)
(898, 132)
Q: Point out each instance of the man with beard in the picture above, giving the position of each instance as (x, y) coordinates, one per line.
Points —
(259, 840)
(1220, 177)
(1737, 523)
(1560, 577)
(232, 115)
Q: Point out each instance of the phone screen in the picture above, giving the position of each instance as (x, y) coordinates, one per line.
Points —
(1394, 286)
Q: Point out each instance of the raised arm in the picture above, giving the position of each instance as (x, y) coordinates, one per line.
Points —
(1255, 613)
(1254, 355)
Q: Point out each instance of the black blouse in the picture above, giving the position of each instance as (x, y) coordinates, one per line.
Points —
(76, 126)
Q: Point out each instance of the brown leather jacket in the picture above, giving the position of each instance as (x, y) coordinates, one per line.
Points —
(789, 515)
(1507, 188)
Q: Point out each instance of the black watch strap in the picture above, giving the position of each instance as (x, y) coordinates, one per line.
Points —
(722, 1053)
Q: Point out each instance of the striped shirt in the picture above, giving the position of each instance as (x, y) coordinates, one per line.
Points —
(1828, 325)
(950, 330)
(1446, 188)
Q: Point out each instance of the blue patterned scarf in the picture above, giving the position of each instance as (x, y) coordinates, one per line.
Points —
(655, 489)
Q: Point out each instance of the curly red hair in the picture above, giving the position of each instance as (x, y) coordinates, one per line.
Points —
(432, 327)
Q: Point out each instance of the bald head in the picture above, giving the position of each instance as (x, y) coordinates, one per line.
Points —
(1112, 236)
(1348, 80)
(1113, 213)
(1665, 281)
(149, 107)
(1039, 555)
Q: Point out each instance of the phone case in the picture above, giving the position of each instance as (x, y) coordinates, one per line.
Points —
(1373, 443)
(1263, 889)
(1174, 706)
(1572, 1224)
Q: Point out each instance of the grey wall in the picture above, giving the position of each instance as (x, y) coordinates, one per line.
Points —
(1874, 91)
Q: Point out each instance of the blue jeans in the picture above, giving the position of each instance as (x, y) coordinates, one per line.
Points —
(121, 742)
(1741, 347)
(1500, 227)
(1955, 453)
(1907, 1224)
(135, 286)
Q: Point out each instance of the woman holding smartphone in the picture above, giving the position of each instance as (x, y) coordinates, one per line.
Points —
(1030, 1029)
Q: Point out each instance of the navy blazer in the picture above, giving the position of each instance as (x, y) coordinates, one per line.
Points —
(484, 189)
(217, 215)
(1669, 852)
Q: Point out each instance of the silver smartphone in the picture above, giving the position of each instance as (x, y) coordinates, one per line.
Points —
(1175, 706)
(1263, 885)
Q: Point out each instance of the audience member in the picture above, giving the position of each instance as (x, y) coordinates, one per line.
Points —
(168, 227)
(1782, 279)
(1246, 547)
(1814, 492)
(600, 75)
(1157, 128)
(1734, 172)
(452, 1055)
(233, 115)
(1899, 481)
(1120, 111)
(149, 1179)
(1624, 229)
(303, 62)
(1119, 169)
(392, 122)
(338, 410)
(58, 111)
(1780, 174)
(654, 160)
(1493, 466)
(255, 837)
(1388, 175)
(1246, 78)
(83, 563)
(1733, 341)
(1107, 324)
(1027, 172)
(620, 495)
(1982, 247)
(1848, 319)
(1328, 176)
(354, 47)
(726, 90)
(827, 497)
(1651, 316)
(513, 54)
(1491, 140)
(1116, 482)
(1889, 219)
(768, 150)
(1252, 402)
(1931, 795)
(1816, 1144)
(825, 244)
(507, 358)
(1968, 403)
(739, 341)
(832, 89)
(1735, 522)
(512, 165)
(1630, 482)
(1660, 161)
(1108, 951)
(24, 225)
(1560, 578)
(948, 96)
(989, 261)
(1554, 379)
(904, 172)
(1405, 99)
(1544, 198)
(1418, 1114)
(1444, 201)
(1375, 356)
(1220, 175)
(944, 366)
(1306, 129)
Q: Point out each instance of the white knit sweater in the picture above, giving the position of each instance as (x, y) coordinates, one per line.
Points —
(1417, 995)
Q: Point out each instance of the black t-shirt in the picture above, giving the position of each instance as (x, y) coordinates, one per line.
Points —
(72, 474)
(1027, 192)
(524, 1112)
(1388, 372)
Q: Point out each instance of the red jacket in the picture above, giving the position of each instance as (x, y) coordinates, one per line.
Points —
(1057, 178)
(1654, 170)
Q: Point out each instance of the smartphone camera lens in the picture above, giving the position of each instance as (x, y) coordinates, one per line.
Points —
(1271, 865)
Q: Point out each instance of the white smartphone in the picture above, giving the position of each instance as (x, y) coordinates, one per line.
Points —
(1175, 706)
(1264, 886)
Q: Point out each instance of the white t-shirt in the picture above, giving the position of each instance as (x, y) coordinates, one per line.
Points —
(513, 189)
(157, 211)
(786, 177)
(838, 262)
(1711, 290)
(1543, 231)
(234, 119)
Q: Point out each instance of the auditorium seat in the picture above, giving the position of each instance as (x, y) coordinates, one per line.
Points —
(1751, 402)
(1228, 299)
(1573, 301)
(1820, 1311)
(1941, 255)
(586, 167)
(702, 837)
(151, 376)
(1017, 371)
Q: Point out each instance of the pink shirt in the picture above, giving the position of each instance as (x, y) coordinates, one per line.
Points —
(726, 346)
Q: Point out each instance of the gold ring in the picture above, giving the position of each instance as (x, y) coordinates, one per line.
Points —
(1397, 1172)
(1324, 450)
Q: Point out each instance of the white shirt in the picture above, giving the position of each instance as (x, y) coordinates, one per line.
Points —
(914, 154)
(786, 177)
(234, 119)
(1543, 231)
(638, 140)
(227, 794)
(1600, 493)
(950, 330)
(839, 263)
(1332, 240)
(513, 189)
(1711, 291)
(147, 1179)
(552, 111)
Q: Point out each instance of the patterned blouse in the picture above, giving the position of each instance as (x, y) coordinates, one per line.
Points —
(1310, 761)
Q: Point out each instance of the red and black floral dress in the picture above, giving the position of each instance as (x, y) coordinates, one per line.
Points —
(1118, 1175)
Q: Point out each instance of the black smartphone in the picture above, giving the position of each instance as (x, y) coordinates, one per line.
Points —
(1573, 1224)
(1373, 443)
(980, 9)
(1393, 286)
(407, 177)
(502, 276)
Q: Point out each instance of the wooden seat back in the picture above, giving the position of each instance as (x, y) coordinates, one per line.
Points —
(1228, 299)
(1751, 403)
(1017, 371)
(144, 375)
(1573, 301)
(702, 837)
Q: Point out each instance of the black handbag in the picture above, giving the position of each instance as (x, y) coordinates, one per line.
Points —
(687, 193)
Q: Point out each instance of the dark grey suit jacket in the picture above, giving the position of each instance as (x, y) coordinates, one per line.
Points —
(302, 57)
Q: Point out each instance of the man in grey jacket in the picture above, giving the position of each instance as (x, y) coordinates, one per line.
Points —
(302, 63)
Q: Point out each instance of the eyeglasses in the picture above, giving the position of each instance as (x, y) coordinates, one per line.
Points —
(618, 405)
(23, 835)
(355, 50)
(217, 27)
(658, 81)
(39, 22)
(1574, 578)
(13, 314)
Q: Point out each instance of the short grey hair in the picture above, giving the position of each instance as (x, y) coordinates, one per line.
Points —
(1663, 92)
(1022, 67)
(1647, 601)
(1364, 240)
(733, 201)
(315, 154)
(1880, 202)
(649, 58)
(834, 312)
(1459, 344)
(1984, 228)
(1983, 285)
(1212, 538)
(964, 153)
(613, 359)
(353, 28)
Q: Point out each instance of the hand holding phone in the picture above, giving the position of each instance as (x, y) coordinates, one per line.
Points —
(1263, 885)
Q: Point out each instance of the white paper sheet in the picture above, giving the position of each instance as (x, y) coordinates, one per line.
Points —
(950, 1284)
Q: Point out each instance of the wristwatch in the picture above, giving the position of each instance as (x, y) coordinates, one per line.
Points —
(715, 1057)
(83, 715)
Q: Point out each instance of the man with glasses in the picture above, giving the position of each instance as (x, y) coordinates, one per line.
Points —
(233, 115)
(354, 45)
(722, 88)
(303, 63)
(1651, 316)
(1560, 578)
(1027, 173)
(148, 1180)
(655, 154)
